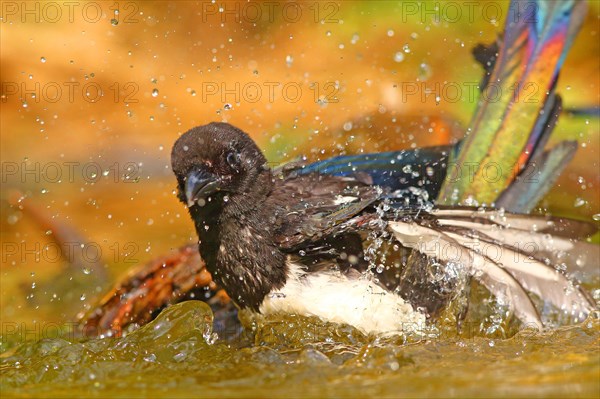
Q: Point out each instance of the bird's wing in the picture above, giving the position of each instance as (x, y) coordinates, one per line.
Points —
(421, 167)
(311, 207)
(502, 284)
(562, 227)
(553, 240)
(509, 254)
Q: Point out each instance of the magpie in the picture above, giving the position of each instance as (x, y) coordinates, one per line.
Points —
(377, 241)
(285, 240)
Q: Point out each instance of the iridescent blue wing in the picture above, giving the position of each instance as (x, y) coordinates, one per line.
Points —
(424, 168)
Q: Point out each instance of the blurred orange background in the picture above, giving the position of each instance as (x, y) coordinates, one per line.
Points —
(92, 100)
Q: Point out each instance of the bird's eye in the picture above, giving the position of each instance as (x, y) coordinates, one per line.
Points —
(233, 160)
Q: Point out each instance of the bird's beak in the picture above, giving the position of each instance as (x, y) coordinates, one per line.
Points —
(200, 185)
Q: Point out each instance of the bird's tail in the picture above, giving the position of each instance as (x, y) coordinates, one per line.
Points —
(502, 160)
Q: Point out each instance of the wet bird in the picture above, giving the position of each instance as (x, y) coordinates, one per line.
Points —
(291, 240)
(308, 238)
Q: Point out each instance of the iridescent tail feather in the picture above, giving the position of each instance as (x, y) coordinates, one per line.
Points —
(519, 110)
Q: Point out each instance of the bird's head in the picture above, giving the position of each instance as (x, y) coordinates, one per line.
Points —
(217, 162)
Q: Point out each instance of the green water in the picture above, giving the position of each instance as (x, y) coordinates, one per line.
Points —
(177, 355)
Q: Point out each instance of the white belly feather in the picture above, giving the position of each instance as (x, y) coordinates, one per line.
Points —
(336, 298)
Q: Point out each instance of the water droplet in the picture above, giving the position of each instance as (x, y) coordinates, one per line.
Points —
(424, 71)
(227, 106)
(406, 48)
(155, 93)
(471, 201)
(596, 216)
(114, 22)
(82, 297)
(579, 202)
(150, 358)
(289, 60)
(86, 270)
(399, 57)
(348, 126)
(43, 60)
